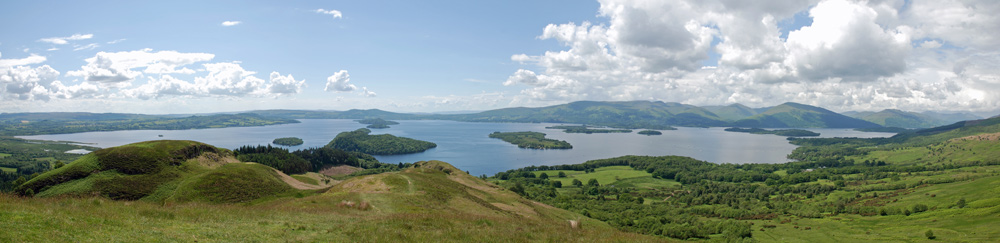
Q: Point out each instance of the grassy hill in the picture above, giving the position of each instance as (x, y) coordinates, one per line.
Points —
(431, 201)
(161, 171)
(801, 116)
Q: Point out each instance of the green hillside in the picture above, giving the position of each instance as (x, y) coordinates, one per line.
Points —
(898, 118)
(160, 171)
(430, 202)
(944, 180)
(732, 112)
(796, 115)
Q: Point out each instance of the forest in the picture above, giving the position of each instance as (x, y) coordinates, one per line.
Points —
(383, 144)
(588, 129)
(377, 123)
(650, 132)
(311, 159)
(289, 141)
(779, 132)
(531, 140)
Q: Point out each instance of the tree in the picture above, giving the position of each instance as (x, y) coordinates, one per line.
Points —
(543, 176)
(557, 184)
(577, 182)
(930, 234)
(517, 188)
(593, 182)
(562, 174)
(58, 164)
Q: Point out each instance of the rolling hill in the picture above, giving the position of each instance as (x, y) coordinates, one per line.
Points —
(898, 118)
(732, 112)
(189, 191)
(626, 114)
(795, 115)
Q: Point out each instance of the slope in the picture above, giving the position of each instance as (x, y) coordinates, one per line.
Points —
(625, 114)
(732, 112)
(433, 201)
(161, 171)
(801, 116)
(898, 118)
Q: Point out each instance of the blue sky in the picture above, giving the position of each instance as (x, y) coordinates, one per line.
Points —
(425, 56)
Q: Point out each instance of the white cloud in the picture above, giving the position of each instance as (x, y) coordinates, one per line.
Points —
(231, 23)
(222, 80)
(115, 67)
(32, 59)
(853, 55)
(65, 40)
(115, 41)
(27, 83)
(335, 13)
(90, 46)
(366, 92)
(338, 82)
(52, 49)
(283, 85)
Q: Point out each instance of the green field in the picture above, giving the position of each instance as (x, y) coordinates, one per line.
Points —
(8, 170)
(610, 176)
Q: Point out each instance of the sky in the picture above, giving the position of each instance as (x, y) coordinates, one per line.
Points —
(160, 57)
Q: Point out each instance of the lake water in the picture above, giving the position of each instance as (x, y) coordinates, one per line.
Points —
(467, 145)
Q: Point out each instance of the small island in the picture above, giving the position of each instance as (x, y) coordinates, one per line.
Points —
(779, 132)
(377, 123)
(588, 129)
(383, 144)
(884, 129)
(289, 141)
(531, 140)
(650, 132)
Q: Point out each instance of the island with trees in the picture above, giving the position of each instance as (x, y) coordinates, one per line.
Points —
(650, 132)
(289, 141)
(377, 123)
(383, 144)
(779, 132)
(531, 140)
(588, 129)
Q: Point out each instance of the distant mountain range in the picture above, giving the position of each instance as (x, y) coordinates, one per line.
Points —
(621, 114)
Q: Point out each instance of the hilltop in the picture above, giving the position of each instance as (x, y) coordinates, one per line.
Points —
(795, 115)
(189, 189)
(898, 118)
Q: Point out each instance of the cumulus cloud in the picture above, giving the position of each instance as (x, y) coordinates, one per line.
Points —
(231, 23)
(222, 80)
(850, 55)
(366, 92)
(40, 83)
(31, 59)
(335, 13)
(338, 82)
(116, 67)
(65, 40)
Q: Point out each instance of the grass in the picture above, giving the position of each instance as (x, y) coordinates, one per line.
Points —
(432, 202)
(305, 179)
(8, 170)
(604, 175)
(4, 155)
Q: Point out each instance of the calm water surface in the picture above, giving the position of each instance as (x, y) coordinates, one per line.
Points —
(467, 145)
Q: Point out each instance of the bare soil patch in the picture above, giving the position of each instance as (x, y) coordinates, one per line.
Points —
(340, 170)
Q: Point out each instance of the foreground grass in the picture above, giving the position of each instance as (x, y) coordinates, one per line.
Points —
(435, 202)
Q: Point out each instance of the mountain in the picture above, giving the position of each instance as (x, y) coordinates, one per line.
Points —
(732, 112)
(801, 116)
(624, 114)
(898, 118)
(952, 117)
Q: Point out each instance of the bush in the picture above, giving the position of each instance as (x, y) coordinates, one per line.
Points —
(930, 234)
